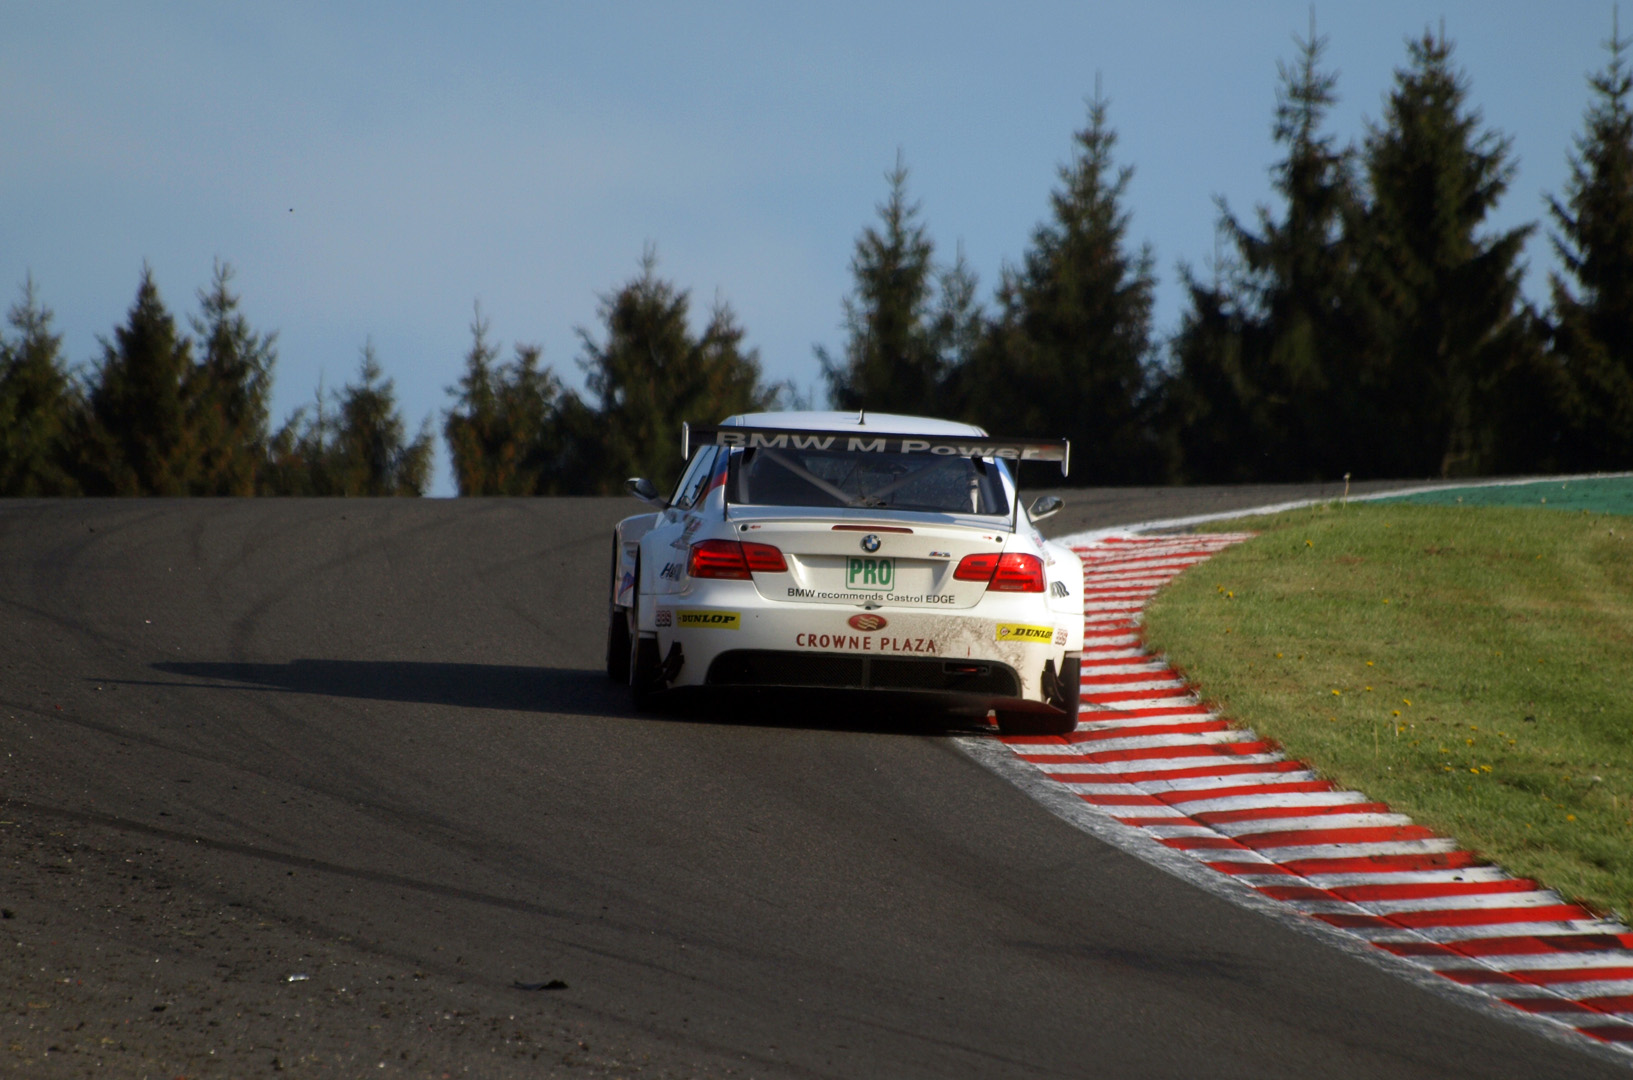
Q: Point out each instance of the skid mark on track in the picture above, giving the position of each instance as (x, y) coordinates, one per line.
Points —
(1168, 779)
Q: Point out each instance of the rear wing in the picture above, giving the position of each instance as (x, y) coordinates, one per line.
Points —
(862, 441)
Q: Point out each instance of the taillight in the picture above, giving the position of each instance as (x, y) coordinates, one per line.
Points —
(763, 558)
(1018, 572)
(1011, 572)
(717, 559)
(976, 567)
(730, 559)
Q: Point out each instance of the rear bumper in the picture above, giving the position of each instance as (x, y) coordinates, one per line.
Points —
(1011, 648)
(962, 684)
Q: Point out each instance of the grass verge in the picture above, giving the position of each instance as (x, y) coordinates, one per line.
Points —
(1472, 667)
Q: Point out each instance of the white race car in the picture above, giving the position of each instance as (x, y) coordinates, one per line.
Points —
(850, 551)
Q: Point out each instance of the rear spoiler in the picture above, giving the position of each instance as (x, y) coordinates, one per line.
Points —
(857, 440)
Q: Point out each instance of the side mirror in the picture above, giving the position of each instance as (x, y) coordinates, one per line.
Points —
(641, 488)
(1046, 505)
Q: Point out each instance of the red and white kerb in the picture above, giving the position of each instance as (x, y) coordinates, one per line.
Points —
(1149, 755)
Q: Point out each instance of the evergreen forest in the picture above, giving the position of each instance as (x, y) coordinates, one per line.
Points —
(1368, 322)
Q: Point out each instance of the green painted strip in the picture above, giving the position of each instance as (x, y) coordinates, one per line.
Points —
(1598, 495)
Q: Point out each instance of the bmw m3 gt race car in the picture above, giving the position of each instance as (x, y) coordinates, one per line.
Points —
(851, 551)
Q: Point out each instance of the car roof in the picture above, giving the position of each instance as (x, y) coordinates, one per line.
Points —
(818, 420)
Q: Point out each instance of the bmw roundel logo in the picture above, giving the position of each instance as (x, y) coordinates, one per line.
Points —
(870, 543)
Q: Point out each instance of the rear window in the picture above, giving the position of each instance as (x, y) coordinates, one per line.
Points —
(935, 483)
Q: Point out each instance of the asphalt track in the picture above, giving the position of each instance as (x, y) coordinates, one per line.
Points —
(311, 786)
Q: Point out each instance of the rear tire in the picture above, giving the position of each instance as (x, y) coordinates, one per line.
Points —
(645, 679)
(1031, 723)
(644, 668)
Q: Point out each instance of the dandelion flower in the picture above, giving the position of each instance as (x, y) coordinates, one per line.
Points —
(1570, 817)
(1468, 742)
(1337, 693)
(1406, 701)
(1485, 768)
(1394, 712)
(1472, 769)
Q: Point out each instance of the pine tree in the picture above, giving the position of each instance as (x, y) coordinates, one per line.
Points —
(897, 340)
(567, 458)
(1592, 327)
(558, 433)
(1070, 353)
(647, 345)
(480, 444)
(723, 376)
(374, 458)
(353, 446)
(136, 436)
(1447, 298)
(228, 391)
(1213, 410)
(1273, 348)
(513, 429)
(299, 453)
(37, 403)
(650, 374)
(958, 327)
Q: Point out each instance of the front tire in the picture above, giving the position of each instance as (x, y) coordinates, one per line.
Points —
(618, 645)
(617, 629)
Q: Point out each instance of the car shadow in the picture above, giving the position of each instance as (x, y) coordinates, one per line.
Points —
(873, 711)
(576, 691)
(472, 686)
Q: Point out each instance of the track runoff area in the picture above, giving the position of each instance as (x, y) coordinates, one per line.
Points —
(1153, 771)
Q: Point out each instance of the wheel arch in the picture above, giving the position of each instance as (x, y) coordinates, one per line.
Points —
(626, 538)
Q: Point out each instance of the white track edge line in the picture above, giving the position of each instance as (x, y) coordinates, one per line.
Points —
(1089, 536)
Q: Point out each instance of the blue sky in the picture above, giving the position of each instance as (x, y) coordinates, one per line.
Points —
(372, 170)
